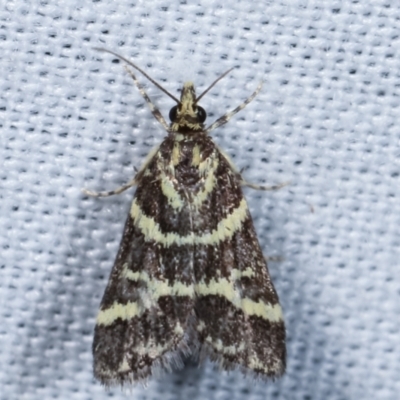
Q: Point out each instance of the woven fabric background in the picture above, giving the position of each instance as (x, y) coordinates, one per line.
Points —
(326, 120)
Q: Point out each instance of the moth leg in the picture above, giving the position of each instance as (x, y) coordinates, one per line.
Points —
(155, 111)
(119, 190)
(226, 117)
(277, 259)
(260, 187)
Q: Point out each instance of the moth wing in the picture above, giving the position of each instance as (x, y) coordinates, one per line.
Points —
(145, 311)
(239, 319)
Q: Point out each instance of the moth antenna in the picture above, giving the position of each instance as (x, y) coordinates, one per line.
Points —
(142, 72)
(213, 84)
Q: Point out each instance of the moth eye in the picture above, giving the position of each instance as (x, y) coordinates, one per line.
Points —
(172, 113)
(201, 114)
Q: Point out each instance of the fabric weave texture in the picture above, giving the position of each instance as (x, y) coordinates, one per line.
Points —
(326, 121)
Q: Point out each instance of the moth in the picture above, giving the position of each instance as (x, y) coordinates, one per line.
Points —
(190, 278)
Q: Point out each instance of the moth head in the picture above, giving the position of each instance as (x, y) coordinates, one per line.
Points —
(187, 115)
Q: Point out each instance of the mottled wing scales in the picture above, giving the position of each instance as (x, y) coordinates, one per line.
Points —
(190, 274)
(239, 319)
(147, 309)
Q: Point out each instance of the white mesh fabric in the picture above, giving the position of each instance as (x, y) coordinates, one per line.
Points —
(326, 120)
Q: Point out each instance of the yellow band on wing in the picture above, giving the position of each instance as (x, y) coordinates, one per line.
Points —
(225, 228)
